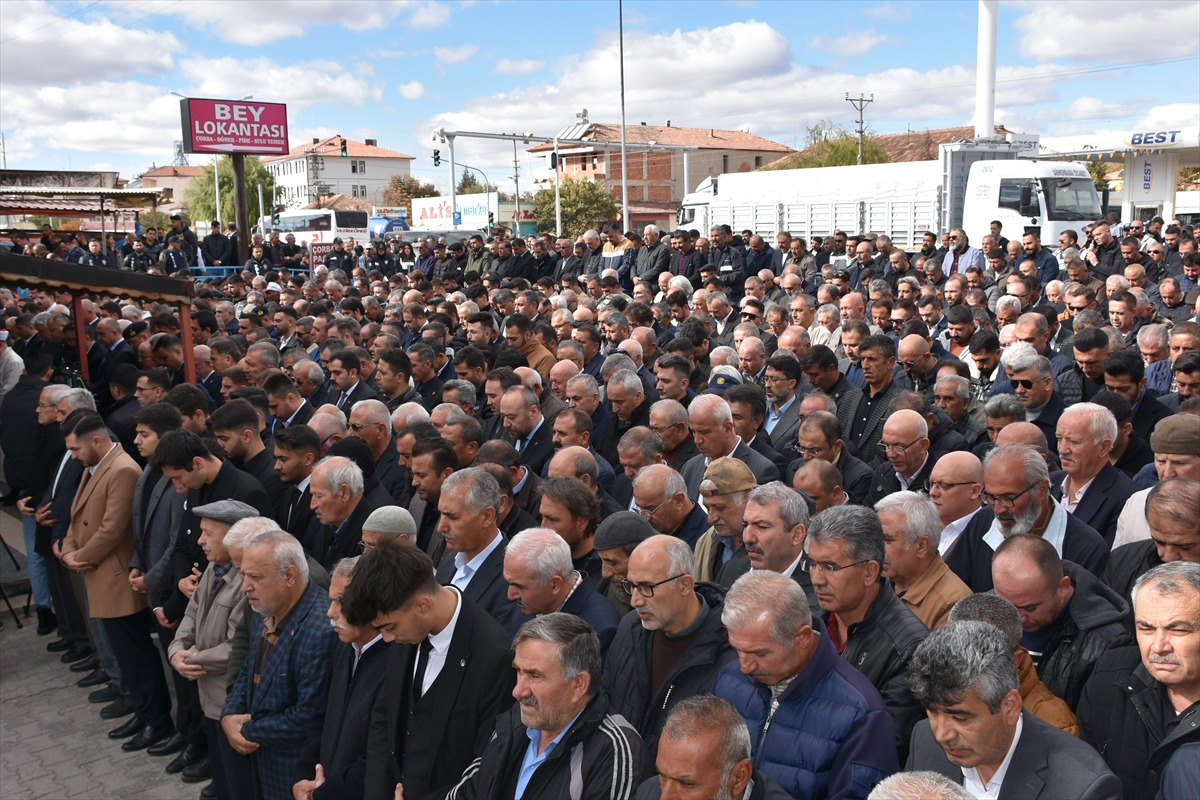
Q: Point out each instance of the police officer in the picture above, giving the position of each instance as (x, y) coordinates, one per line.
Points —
(340, 258)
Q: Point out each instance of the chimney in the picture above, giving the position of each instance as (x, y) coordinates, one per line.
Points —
(643, 124)
(371, 142)
(668, 123)
(316, 140)
(712, 133)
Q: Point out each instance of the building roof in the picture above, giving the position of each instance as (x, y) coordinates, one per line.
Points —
(341, 202)
(911, 145)
(331, 145)
(173, 172)
(702, 138)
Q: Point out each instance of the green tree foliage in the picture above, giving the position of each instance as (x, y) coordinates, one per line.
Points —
(402, 189)
(585, 204)
(1099, 172)
(199, 193)
(828, 145)
(469, 184)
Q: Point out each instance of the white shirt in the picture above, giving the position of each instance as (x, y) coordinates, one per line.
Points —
(1071, 501)
(440, 643)
(974, 785)
(792, 568)
(904, 481)
(92, 470)
(951, 532)
(465, 570)
(360, 649)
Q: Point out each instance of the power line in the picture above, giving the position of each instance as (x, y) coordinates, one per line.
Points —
(48, 24)
(860, 104)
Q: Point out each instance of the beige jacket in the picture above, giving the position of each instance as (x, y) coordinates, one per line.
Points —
(208, 625)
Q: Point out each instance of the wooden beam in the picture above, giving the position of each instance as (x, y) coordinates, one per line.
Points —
(185, 331)
(80, 342)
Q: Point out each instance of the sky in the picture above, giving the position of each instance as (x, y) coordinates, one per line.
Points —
(86, 85)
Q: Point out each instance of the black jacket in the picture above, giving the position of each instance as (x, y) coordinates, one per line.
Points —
(331, 547)
(1149, 413)
(487, 586)
(885, 482)
(1124, 713)
(1126, 564)
(1095, 621)
(599, 754)
(1102, 502)
(880, 647)
(764, 789)
(19, 430)
(614, 429)
(337, 734)
(473, 688)
(215, 248)
(627, 669)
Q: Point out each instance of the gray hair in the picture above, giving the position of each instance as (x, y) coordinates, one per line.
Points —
(464, 391)
(881, 286)
(718, 296)
(305, 370)
(1033, 464)
(344, 568)
(680, 558)
(1173, 578)
(713, 404)
(992, 609)
(408, 413)
(674, 410)
(829, 309)
(268, 351)
(338, 471)
(959, 657)
(920, 517)
(377, 413)
(578, 647)
(588, 382)
(924, 785)
(700, 714)
(627, 379)
(724, 351)
(1005, 405)
(646, 442)
(858, 526)
(1101, 422)
(56, 392)
(78, 398)
(1008, 303)
(546, 553)
(761, 593)
(793, 510)
(962, 386)
(911, 282)
(286, 552)
(454, 414)
(244, 531)
(1037, 320)
(619, 361)
(482, 490)
(1155, 336)
(674, 484)
(1040, 365)
(327, 425)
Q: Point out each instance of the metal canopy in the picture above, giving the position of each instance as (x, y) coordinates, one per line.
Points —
(113, 198)
(43, 273)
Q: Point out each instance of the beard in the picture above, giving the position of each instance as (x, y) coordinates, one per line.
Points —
(1022, 523)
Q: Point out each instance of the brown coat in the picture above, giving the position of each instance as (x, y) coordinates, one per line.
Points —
(934, 593)
(101, 533)
(1038, 700)
(540, 359)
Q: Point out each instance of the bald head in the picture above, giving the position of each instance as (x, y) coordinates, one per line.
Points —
(633, 349)
(954, 485)
(913, 348)
(1022, 433)
(575, 462)
(905, 425)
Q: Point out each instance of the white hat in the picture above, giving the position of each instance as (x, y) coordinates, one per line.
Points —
(273, 287)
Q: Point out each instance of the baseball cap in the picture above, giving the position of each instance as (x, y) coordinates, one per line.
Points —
(720, 384)
(273, 287)
(337, 240)
(726, 476)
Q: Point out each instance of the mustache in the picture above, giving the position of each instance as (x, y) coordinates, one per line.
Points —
(1165, 659)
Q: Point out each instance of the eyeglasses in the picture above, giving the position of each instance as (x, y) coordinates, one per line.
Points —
(809, 453)
(650, 512)
(899, 448)
(1024, 383)
(646, 589)
(942, 486)
(825, 566)
(1004, 502)
(1076, 309)
(661, 431)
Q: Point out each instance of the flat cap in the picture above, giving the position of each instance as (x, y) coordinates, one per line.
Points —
(226, 511)
(391, 521)
(1178, 434)
(622, 529)
(726, 476)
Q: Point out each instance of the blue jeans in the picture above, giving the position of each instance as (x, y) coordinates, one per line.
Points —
(37, 565)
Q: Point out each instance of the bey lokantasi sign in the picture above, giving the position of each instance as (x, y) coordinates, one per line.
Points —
(234, 126)
(435, 212)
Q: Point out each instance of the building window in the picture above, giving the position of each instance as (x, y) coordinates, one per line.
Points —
(362, 167)
(353, 167)
(758, 161)
(362, 192)
(725, 163)
(595, 162)
(354, 189)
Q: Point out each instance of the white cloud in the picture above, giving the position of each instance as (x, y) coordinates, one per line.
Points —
(891, 12)
(455, 55)
(524, 66)
(43, 47)
(1161, 24)
(411, 90)
(300, 84)
(254, 22)
(852, 45)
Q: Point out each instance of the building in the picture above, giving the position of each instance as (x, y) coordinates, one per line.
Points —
(656, 176)
(317, 168)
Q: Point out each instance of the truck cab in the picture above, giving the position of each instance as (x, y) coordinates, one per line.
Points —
(1029, 194)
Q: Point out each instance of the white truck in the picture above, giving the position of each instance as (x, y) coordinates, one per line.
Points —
(972, 183)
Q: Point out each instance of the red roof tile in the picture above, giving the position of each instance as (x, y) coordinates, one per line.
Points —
(917, 145)
(703, 138)
(332, 146)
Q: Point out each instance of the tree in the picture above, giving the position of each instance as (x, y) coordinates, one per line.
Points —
(402, 189)
(585, 204)
(829, 145)
(1099, 172)
(469, 184)
(199, 193)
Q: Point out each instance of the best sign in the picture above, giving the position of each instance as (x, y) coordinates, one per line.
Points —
(234, 126)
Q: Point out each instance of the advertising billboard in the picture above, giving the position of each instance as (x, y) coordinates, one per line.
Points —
(245, 127)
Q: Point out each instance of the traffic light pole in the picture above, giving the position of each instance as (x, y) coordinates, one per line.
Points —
(241, 212)
(453, 187)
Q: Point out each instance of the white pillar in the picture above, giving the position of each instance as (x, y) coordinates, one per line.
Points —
(985, 70)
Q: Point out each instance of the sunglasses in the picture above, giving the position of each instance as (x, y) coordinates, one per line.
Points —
(1025, 384)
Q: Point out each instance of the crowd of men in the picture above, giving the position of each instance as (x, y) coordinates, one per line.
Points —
(655, 515)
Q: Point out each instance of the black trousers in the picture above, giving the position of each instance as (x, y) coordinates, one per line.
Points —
(232, 777)
(141, 667)
(189, 719)
(72, 624)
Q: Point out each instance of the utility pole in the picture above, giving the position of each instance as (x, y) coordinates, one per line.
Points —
(624, 166)
(517, 196)
(860, 103)
(217, 188)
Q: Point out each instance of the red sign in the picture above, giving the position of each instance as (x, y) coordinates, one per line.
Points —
(234, 126)
(317, 252)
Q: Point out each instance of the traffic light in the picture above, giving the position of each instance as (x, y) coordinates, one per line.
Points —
(554, 161)
(437, 158)
(491, 219)
(275, 212)
(345, 152)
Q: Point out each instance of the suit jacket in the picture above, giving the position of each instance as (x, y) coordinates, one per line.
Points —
(868, 441)
(537, 450)
(783, 435)
(331, 547)
(101, 533)
(1047, 764)
(473, 688)
(1047, 421)
(303, 414)
(529, 499)
(120, 421)
(550, 405)
(346, 400)
(762, 444)
(1103, 501)
(487, 587)
(764, 471)
(154, 535)
(847, 396)
(418, 508)
(208, 625)
(289, 691)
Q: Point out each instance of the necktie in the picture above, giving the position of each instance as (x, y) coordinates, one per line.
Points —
(294, 501)
(520, 444)
(422, 662)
